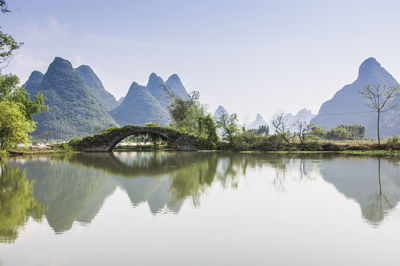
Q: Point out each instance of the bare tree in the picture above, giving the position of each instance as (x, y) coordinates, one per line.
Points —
(303, 129)
(279, 123)
(380, 98)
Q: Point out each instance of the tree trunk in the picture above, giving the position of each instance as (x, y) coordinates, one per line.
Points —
(378, 126)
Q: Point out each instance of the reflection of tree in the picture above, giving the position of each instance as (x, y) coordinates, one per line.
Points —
(378, 203)
(193, 180)
(372, 182)
(302, 164)
(16, 202)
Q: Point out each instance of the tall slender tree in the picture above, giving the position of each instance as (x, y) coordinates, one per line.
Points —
(380, 98)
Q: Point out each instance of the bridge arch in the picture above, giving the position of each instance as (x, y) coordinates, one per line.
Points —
(107, 140)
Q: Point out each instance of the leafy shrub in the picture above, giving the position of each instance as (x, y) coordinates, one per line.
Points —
(203, 143)
(310, 146)
(3, 154)
(331, 147)
(357, 148)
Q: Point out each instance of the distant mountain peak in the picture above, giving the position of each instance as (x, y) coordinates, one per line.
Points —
(93, 82)
(220, 111)
(154, 80)
(134, 84)
(348, 107)
(304, 111)
(370, 68)
(174, 77)
(139, 107)
(258, 122)
(72, 105)
(60, 62)
(36, 74)
(176, 86)
(85, 68)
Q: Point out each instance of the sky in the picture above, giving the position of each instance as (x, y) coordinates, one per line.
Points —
(249, 56)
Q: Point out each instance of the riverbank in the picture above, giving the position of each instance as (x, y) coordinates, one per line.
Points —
(330, 148)
(369, 153)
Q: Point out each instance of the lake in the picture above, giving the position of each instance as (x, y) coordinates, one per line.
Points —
(199, 208)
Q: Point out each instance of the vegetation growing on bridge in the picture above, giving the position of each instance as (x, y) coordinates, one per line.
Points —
(107, 140)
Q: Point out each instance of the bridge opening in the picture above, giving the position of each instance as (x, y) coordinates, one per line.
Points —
(144, 142)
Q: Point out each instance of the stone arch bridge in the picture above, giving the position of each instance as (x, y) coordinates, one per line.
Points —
(107, 140)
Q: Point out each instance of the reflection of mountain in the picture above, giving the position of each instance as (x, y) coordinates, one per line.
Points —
(357, 178)
(74, 187)
(68, 191)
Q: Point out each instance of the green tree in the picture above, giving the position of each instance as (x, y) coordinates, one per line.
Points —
(380, 98)
(11, 91)
(16, 107)
(14, 127)
(229, 126)
(190, 116)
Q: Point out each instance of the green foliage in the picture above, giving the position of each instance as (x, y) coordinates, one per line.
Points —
(105, 138)
(317, 132)
(358, 148)
(152, 124)
(16, 203)
(10, 91)
(331, 147)
(3, 154)
(261, 130)
(229, 126)
(391, 144)
(191, 117)
(343, 132)
(16, 111)
(16, 108)
(4, 7)
(14, 127)
(8, 46)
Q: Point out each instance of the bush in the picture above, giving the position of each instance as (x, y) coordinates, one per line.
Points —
(331, 147)
(203, 143)
(310, 146)
(223, 145)
(3, 154)
(357, 148)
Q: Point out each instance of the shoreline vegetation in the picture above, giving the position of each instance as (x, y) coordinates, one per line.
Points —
(387, 148)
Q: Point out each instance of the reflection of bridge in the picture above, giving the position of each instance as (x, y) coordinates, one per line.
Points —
(106, 141)
(75, 186)
(138, 166)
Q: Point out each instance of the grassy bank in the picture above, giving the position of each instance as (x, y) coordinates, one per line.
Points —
(56, 148)
(369, 153)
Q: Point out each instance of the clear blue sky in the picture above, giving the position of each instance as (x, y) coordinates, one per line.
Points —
(250, 56)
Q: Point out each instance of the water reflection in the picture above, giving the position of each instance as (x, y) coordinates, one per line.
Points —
(373, 182)
(16, 202)
(72, 188)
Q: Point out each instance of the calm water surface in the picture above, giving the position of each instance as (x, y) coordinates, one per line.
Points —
(199, 209)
